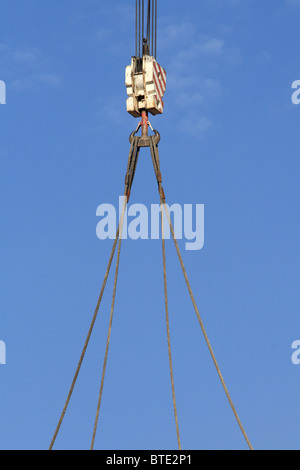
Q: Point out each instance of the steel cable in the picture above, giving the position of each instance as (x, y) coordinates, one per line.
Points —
(152, 39)
(128, 184)
(204, 331)
(143, 23)
(110, 326)
(155, 28)
(85, 345)
(148, 22)
(136, 28)
(130, 172)
(168, 323)
(156, 165)
(158, 175)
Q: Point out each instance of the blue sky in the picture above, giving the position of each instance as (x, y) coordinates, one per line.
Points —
(230, 141)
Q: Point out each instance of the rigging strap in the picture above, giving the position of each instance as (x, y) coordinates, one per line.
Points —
(133, 155)
(136, 144)
(129, 180)
(155, 159)
(156, 165)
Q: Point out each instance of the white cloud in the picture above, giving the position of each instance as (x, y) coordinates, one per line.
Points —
(195, 126)
(26, 57)
(26, 68)
(52, 79)
(211, 46)
(32, 82)
(194, 74)
(293, 3)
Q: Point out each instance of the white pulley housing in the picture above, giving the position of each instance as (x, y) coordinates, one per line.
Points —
(145, 87)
